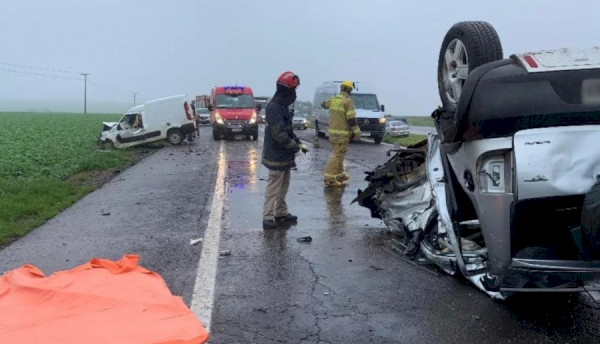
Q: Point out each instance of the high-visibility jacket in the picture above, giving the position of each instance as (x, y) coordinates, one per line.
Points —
(342, 117)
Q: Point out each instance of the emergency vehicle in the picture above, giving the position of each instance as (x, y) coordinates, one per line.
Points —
(233, 112)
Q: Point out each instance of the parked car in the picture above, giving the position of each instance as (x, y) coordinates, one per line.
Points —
(397, 127)
(300, 122)
(168, 118)
(204, 115)
(507, 191)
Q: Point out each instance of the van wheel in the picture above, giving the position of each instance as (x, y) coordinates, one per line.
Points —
(590, 217)
(466, 46)
(175, 137)
(216, 135)
(255, 136)
(378, 139)
(106, 144)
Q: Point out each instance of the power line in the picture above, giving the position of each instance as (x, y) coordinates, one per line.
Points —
(39, 68)
(42, 75)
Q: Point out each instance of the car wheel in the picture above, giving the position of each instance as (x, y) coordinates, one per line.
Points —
(106, 144)
(378, 139)
(466, 46)
(255, 136)
(175, 137)
(216, 135)
(590, 217)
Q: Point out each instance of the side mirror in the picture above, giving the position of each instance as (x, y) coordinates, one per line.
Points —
(258, 107)
(382, 108)
(210, 107)
(119, 127)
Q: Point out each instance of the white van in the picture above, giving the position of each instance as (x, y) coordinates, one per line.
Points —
(369, 113)
(168, 118)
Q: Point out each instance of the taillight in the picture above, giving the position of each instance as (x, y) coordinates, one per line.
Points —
(530, 61)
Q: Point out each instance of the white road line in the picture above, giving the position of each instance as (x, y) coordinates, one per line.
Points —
(204, 287)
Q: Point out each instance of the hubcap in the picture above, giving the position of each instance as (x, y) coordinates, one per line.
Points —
(175, 137)
(455, 69)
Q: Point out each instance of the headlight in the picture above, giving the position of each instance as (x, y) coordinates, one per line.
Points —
(253, 118)
(304, 121)
(382, 120)
(219, 119)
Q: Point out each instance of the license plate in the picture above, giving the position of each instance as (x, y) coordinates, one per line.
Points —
(365, 133)
(590, 91)
(236, 130)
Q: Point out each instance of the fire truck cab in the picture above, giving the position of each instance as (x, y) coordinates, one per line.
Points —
(233, 112)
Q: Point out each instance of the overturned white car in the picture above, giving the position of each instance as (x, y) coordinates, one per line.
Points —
(168, 118)
(507, 192)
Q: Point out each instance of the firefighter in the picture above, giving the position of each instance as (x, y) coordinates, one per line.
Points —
(279, 151)
(342, 125)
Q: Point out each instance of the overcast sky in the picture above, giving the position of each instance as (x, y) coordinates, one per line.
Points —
(161, 48)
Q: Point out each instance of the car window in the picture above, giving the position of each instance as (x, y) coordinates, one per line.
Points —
(321, 97)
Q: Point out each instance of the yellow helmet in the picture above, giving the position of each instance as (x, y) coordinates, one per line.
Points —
(347, 84)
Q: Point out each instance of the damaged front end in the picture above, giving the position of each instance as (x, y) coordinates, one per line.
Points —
(408, 193)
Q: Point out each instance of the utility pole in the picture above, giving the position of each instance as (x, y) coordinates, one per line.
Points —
(85, 92)
(134, 94)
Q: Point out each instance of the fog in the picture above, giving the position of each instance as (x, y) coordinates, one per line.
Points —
(162, 48)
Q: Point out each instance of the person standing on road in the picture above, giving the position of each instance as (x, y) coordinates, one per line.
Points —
(190, 135)
(279, 151)
(342, 124)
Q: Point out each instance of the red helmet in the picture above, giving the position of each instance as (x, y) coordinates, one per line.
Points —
(289, 80)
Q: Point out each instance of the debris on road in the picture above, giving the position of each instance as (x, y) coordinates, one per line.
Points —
(305, 239)
(225, 253)
(104, 212)
(195, 241)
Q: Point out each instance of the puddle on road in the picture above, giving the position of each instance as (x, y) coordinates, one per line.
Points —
(242, 174)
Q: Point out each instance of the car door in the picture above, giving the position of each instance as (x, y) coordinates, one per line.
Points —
(131, 129)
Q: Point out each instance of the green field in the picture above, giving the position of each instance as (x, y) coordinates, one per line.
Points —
(48, 162)
(420, 121)
(404, 141)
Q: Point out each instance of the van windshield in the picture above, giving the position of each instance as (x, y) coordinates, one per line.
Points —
(365, 101)
(235, 101)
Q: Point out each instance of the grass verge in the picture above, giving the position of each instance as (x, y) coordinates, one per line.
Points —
(420, 121)
(48, 162)
(404, 141)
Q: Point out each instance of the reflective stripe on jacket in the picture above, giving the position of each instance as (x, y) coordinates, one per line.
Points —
(342, 117)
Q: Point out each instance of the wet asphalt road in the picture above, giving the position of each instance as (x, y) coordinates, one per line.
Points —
(346, 286)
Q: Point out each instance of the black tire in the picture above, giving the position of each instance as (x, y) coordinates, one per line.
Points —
(216, 135)
(481, 45)
(175, 137)
(107, 144)
(255, 136)
(378, 139)
(590, 217)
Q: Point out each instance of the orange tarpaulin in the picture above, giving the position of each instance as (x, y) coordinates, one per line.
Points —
(98, 302)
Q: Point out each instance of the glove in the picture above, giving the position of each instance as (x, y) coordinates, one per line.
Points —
(303, 149)
(356, 134)
(300, 155)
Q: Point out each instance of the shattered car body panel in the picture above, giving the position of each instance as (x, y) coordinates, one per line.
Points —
(410, 194)
(404, 193)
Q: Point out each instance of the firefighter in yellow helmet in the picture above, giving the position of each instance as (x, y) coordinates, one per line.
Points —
(342, 125)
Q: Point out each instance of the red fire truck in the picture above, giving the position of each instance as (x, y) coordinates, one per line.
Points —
(233, 112)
